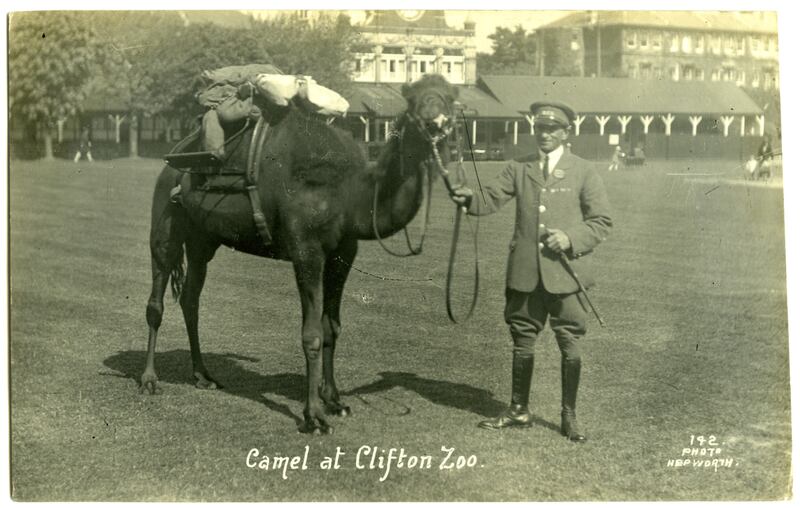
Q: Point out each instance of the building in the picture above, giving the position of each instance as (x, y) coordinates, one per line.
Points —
(737, 47)
(402, 46)
(666, 119)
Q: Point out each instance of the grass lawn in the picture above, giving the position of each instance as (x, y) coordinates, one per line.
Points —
(692, 287)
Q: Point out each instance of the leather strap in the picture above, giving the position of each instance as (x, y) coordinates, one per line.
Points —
(259, 136)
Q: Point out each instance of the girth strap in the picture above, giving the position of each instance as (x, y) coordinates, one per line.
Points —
(251, 177)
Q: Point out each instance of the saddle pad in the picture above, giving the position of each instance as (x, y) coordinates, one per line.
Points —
(193, 160)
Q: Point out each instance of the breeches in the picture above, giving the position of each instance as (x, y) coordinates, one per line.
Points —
(526, 314)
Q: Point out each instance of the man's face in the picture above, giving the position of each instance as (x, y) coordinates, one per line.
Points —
(549, 137)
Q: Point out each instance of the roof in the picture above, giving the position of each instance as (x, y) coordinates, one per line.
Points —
(386, 100)
(414, 19)
(378, 98)
(622, 95)
(748, 22)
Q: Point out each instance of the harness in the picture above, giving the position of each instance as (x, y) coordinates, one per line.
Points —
(188, 163)
(427, 184)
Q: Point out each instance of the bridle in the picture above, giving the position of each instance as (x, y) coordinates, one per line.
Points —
(427, 183)
(436, 159)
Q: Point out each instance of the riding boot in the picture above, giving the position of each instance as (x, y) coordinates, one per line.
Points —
(517, 414)
(570, 378)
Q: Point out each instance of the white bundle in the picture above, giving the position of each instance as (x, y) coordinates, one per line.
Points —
(280, 88)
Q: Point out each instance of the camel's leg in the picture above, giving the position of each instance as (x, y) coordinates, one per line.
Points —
(198, 254)
(337, 268)
(167, 234)
(308, 266)
(155, 311)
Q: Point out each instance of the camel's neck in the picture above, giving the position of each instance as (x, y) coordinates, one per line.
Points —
(400, 182)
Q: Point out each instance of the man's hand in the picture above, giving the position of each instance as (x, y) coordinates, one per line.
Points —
(462, 196)
(557, 241)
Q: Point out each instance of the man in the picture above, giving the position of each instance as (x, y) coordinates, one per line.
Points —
(764, 159)
(85, 146)
(561, 208)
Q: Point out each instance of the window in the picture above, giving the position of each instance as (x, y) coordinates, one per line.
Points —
(716, 44)
(358, 64)
(645, 70)
(699, 44)
(574, 45)
(755, 44)
(686, 44)
(643, 40)
(448, 67)
(656, 41)
(740, 45)
(674, 43)
(773, 44)
(715, 75)
(392, 65)
(631, 38)
(728, 74)
(730, 45)
(423, 67)
(688, 72)
(675, 73)
(755, 81)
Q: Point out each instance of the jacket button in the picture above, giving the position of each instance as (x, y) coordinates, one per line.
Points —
(542, 208)
(541, 246)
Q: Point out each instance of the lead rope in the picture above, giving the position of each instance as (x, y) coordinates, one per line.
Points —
(454, 243)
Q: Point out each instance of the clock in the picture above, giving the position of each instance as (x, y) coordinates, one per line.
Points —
(410, 15)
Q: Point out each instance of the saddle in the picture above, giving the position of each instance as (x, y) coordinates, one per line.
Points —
(205, 174)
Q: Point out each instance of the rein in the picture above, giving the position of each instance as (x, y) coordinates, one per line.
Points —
(426, 202)
(427, 186)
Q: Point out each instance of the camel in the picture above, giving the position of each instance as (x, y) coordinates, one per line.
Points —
(318, 195)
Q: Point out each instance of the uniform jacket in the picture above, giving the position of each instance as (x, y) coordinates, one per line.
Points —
(573, 199)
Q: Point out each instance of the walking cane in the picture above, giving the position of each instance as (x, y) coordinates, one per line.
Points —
(574, 275)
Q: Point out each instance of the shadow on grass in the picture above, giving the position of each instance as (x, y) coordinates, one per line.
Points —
(444, 393)
(174, 367)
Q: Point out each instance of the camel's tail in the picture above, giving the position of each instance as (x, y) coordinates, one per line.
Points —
(177, 276)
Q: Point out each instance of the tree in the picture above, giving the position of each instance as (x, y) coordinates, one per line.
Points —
(123, 72)
(320, 47)
(559, 60)
(513, 52)
(50, 56)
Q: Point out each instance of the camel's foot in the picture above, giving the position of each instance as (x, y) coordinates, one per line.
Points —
(150, 384)
(204, 381)
(315, 425)
(336, 408)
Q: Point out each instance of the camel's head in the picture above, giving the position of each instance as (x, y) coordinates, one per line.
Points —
(431, 105)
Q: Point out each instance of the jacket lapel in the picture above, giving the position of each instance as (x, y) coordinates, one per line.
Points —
(534, 171)
(564, 163)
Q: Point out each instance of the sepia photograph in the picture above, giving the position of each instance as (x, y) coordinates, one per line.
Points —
(397, 255)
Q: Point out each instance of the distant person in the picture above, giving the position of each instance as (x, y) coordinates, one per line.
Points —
(616, 157)
(85, 146)
(750, 167)
(764, 158)
(562, 210)
(638, 155)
